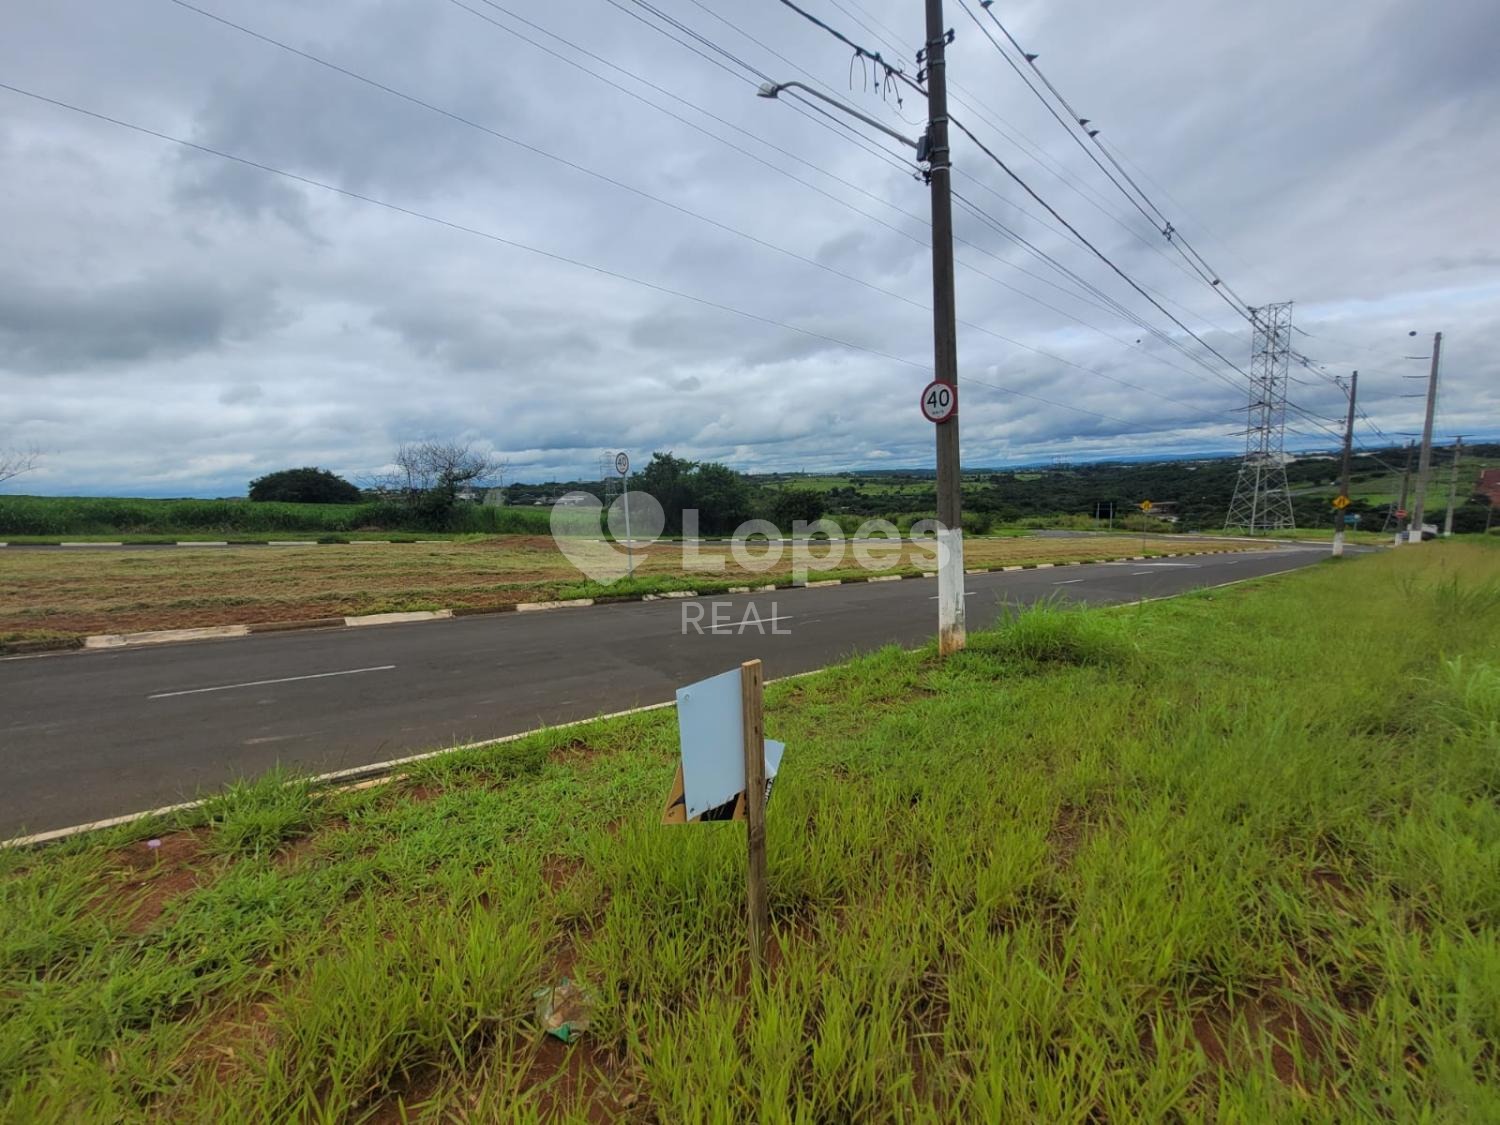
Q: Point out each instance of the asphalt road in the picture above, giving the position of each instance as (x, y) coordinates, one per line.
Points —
(90, 735)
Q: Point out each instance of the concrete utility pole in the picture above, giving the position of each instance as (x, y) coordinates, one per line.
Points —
(1405, 492)
(1338, 519)
(944, 339)
(1458, 450)
(1424, 465)
(934, 150)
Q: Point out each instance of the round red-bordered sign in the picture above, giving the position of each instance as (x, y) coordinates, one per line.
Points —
(939, 401)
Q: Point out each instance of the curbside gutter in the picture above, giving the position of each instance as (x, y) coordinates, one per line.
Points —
(166, 636)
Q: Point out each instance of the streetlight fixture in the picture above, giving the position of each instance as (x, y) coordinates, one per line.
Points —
(771, 89)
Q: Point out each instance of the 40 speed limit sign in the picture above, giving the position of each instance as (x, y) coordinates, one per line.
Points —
(939, 401)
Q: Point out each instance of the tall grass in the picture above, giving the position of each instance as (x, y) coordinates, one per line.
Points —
(79, 515)
(1232, 857)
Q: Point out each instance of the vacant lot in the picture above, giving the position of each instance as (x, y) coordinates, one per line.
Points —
(68, 593)
(1230, 857)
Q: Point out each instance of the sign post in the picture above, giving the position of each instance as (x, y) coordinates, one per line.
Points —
(753, 719)
(727, 769)
(622, 466)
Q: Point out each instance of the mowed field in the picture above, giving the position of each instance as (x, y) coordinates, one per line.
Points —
(1229, 857)
(61, 594)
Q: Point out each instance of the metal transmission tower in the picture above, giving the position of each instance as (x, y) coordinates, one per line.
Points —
(609, 480)
(1262, 501)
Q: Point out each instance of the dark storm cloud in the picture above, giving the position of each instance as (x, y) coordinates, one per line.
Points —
(1342, 156)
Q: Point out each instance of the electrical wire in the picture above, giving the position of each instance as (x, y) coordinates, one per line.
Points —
(893, 72)
(897, 230)
(1189, 253)
(516, 244)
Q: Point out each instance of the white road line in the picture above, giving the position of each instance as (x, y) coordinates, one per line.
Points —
(742, 625)
(263, 683)
(967, 594)
(1137, 573)
(1067, 581)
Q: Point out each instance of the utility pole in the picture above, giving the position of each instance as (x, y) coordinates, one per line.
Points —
(1458, 450)
(1338, 519)
(945, 338)
(1405, 492)
(1424, 465)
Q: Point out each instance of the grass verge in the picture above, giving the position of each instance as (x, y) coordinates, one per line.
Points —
(1234, 856)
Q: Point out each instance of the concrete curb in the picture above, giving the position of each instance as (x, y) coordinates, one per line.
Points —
(399, 618)
(164, 636)
(528, 607)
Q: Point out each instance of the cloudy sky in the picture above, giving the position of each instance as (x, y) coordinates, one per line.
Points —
(717, 274)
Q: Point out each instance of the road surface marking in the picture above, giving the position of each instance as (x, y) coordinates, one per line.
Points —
(263, 683)
(967, 594)
(1067, 581)
(1136, 573)
(740, 625)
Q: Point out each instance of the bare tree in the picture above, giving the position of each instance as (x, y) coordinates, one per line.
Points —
(428, 476)
(14, 462)
(446, 466)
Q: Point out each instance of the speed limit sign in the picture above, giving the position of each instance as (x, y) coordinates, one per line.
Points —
(622, 463)
(939, 401)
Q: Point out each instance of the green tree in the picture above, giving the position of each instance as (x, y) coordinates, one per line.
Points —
(793, 504)
(304, 486)
(722, 498)
(669, 480)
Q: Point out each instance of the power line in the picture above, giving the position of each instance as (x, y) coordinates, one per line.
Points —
(900, 76)
(897, 230)
(1092, 248)
(544, 153)
(464, 228)
(515, 243)
(1190, 254)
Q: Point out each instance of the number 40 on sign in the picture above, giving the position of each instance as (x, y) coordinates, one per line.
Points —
(939, 401)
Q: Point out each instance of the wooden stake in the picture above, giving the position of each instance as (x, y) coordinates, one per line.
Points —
(751, 683)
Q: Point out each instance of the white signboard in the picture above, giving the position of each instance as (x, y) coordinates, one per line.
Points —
(622, 463)
(710, 723)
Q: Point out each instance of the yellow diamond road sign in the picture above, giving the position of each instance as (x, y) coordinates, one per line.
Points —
(1145, 505)
(1341, 502)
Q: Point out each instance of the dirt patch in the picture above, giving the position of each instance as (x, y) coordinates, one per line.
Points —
(404, 1105)
(1331, 883)
(1069, 829)
(576, 752)
(557, 870)
(580, 1080)
(420, 792)
(1254, 1029)
(154, 873)
(229, 1040)
(295, 852)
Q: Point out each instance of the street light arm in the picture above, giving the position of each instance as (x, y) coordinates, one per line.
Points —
(771, 89)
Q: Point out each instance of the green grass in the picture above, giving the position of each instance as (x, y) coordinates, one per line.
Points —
(1234, 856)
(52, 517)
